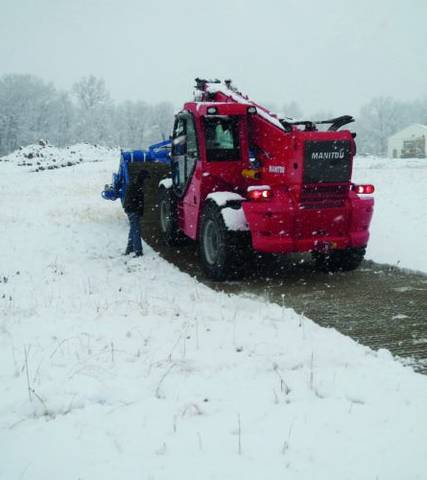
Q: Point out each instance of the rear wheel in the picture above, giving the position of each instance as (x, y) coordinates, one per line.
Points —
(218, 246)
(168, 217)
(344, 260)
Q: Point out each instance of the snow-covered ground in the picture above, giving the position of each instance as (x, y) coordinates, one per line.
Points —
(399, 226)
(116, 368)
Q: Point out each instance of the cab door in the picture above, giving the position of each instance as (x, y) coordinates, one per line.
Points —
(185, 157)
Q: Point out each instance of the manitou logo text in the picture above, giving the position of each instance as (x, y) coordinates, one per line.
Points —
(276, 169)
(327, 155)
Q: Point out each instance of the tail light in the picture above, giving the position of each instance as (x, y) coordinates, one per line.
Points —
(363, 189)
(258, 193)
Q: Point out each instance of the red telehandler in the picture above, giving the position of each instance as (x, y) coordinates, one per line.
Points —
(245, 180)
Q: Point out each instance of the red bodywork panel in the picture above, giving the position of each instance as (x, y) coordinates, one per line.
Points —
(301, 215)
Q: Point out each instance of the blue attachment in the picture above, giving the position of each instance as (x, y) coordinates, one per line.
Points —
(157, 153)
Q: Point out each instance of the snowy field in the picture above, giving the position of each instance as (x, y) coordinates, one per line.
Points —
(399, 225)
(115, 368)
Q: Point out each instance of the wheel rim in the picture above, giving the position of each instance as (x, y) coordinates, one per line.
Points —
(165, 215)
(211, 242)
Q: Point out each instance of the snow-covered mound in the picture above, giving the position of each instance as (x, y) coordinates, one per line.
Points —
(116, 368)
(43, 156)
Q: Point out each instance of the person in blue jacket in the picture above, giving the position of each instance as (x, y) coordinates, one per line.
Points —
(133, 206)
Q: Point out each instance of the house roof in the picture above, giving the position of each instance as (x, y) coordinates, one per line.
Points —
(416, 126)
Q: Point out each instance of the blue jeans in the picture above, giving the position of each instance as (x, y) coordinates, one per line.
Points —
(134, 238)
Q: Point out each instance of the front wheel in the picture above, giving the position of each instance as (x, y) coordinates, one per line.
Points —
(345, 260)
(168, 217)
(218, 247)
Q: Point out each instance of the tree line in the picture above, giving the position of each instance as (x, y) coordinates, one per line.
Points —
(31, 109)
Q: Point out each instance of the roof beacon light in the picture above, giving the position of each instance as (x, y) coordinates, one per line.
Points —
(212, 110)
(252, 110)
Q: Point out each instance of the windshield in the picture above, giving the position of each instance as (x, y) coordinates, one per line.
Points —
(222, 138)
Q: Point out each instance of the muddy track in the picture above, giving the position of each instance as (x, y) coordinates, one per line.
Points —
(377, 305)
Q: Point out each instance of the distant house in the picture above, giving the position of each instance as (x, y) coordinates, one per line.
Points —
(408, 143)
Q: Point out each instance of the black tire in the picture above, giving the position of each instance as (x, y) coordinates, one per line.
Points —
(168, 217)
(339, 260)
(220, 249)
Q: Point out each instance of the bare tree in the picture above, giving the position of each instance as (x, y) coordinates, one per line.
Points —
(160, 122)
(379, 119)
(91, 92)
(131, 121)
(94, 123)
(27, 105)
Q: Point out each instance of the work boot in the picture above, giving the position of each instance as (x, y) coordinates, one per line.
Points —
(128, 251)
(139, 254)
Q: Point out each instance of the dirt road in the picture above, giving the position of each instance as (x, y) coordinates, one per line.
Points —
(377, 305)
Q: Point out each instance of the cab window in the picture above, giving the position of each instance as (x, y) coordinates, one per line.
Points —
(179, 141)
(222, 138)
(184, 151)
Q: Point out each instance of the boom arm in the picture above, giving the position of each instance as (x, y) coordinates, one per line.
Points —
(215, 91)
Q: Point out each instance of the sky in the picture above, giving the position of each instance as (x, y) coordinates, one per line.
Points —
(329, 56)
